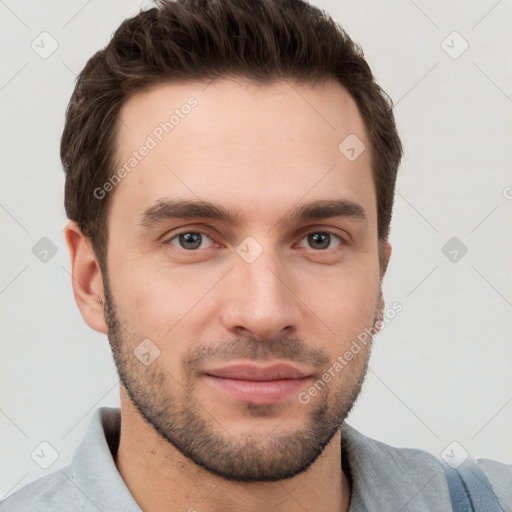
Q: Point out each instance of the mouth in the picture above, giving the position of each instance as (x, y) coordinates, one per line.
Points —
(258, 385)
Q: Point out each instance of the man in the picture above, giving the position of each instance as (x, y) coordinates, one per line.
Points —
(230, 171)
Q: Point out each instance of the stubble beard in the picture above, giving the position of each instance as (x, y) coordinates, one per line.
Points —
(170, 407)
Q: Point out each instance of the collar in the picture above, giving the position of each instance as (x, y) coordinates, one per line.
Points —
(382, 478)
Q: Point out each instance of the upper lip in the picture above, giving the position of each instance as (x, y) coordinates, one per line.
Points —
(258, 373)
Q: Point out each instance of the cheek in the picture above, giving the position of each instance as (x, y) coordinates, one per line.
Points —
(347, 286)
(345, 301)
(158, 302)
(350, 312)
(161, 301)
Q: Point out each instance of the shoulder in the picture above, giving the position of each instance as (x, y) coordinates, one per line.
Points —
(55, 492)
(386, 478)
(368, 453)
(413, 478)
(500, 476)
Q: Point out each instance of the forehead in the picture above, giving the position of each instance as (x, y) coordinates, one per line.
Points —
(231, 141)
(230, 109)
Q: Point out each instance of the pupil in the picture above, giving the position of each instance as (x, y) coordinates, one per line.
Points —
(317, 238)
(190, 238)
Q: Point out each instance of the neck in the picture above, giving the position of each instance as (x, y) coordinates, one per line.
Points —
(161, 479)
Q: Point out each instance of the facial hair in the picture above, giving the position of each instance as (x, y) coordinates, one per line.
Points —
(172, 409)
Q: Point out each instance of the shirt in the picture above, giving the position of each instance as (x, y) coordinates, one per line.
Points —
(382, 478)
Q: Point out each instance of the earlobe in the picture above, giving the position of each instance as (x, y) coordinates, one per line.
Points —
(87, 279)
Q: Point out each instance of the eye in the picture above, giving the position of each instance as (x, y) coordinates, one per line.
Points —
(320, 240)
(189, 240)
(193, 240)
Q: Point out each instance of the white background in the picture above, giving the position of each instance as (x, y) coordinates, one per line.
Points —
(440, 371)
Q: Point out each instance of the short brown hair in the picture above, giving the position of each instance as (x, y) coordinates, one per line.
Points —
(198, 40)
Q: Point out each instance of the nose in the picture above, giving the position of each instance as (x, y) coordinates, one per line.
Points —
(260, 301)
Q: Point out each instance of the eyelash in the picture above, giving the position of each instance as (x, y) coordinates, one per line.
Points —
(322, 231)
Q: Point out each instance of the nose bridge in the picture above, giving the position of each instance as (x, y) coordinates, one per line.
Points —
(265, 285)
(261, 300)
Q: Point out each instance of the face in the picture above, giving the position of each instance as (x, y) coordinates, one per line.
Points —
(242, 264)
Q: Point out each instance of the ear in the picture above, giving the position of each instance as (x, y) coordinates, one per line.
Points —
(384, 255)
(86, 278)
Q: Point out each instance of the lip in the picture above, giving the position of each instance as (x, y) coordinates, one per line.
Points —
(251, 372)
(258, 385)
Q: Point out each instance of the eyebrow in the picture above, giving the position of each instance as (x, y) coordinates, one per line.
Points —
(168, 209)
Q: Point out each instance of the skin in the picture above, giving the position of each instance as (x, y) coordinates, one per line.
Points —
(259, 151)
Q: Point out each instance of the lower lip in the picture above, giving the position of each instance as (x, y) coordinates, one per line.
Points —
(258, 392)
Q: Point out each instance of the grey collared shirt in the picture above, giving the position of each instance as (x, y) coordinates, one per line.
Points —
(382, 478)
